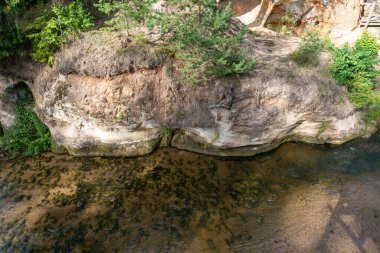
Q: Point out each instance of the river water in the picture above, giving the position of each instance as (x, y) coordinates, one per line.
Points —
(297, 198)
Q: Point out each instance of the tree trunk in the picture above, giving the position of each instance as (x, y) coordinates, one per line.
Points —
(267, 13)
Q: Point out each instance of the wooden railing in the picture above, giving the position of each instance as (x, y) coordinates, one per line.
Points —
(372, 19)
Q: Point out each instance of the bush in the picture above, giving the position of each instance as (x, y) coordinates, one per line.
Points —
(356, 68)
(208, 50)
(360, 91)
(127, 14)
(198, 34)
(11, 39)
(50, 30)
(368, 43)
(28, 136)
(311, 46)
(350, 62)
(45, 39)
(374, 113)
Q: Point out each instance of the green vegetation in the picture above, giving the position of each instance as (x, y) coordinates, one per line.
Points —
(368, 43)
(374, 114)
(322, 128)
(167, 132)
(50, 30)
(350, 62)
(11, 36)
(355, 68)
(216, 137)
(286, 23)
(28, 136)
(199, 35)
(195, 33)
(311, 46)
(47, 32)
(360, 90)
(128, 14)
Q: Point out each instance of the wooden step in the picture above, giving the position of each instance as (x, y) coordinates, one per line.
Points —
(372, 19)
(371, 22)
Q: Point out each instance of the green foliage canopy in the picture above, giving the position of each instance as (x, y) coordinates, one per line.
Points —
(360, 91)
(355, 68)
(11, 36)
(350, 62)
(368, 43)
(50, 30)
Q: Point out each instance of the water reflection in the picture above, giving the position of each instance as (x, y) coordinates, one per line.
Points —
(298, 198)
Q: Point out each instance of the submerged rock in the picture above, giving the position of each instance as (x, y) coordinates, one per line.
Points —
(121, 100)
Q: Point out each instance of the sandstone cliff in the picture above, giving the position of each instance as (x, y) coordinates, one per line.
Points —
(335, 17)
(109, 96)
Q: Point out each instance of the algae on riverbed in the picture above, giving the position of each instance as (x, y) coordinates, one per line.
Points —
(177, 201)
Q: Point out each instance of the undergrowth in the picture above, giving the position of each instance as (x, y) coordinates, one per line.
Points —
(199, 35)
(311, 46)
(28, 136)
(50, 30)
(355, 68)
(374, 114)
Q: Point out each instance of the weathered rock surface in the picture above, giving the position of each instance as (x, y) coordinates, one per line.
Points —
(7, 104)
(336, 17)
(120, 105)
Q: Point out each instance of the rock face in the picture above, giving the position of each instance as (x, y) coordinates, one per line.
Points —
(328, 16)
(7, 103)
(100, 103)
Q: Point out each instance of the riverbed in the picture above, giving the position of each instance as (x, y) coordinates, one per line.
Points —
(297, 198)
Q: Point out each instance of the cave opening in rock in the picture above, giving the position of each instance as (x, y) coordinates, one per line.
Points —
(19, 94)
(24, 133)
(15, 95)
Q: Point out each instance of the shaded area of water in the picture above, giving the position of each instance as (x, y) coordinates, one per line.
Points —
(298, 198)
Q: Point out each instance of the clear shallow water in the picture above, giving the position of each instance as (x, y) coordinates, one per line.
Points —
(298, 198)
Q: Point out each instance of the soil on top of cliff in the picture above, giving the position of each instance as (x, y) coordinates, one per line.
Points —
(106, 54)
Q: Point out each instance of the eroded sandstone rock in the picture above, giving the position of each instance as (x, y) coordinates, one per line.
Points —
(328, 16)
(123, 105)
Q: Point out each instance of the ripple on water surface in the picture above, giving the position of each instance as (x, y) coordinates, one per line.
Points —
(298, 198)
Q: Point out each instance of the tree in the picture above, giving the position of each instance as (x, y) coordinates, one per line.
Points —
(11, 36)
(50, 30)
